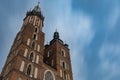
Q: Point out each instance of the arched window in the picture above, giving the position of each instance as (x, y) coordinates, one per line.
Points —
(29, 69)
(49, 53)
(31, 56)
(19, 78)
(35, 37)
(63, 64)
(63, 53)
(33, 45)
(36, 29)
(48, 75)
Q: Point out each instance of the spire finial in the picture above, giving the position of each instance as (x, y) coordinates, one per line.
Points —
(56, 30)
(38, 2)
(56, 35)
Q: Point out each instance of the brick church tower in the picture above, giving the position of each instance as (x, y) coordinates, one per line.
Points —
(30, 59)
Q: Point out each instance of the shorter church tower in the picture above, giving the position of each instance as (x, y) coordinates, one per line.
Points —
(30, 59)
(58, 57)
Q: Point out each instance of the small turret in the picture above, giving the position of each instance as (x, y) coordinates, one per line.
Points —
(56, 35)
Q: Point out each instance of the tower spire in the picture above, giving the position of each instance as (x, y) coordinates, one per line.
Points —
(38, 2)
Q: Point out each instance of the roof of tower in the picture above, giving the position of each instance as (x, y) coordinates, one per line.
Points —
(37, 8)
(36, 11)
(56, 38)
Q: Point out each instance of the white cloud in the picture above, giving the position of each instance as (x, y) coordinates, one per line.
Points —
(75, 28)
(109, 56)
(113, 17)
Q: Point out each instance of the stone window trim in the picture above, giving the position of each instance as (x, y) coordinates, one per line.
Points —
(36, 73)
(28, 41)
(36, 29)
(25, 52)
(38, 48)
(29, 67)
(50, 72)
(63, 53)
(22, 66)
(37, 59)
(32, 56)
(35, 36)
(33, 45)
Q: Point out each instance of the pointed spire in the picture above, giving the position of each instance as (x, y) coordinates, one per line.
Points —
(38, 2)
(37, 8)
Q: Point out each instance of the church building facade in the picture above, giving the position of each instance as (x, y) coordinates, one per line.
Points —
(30, 59)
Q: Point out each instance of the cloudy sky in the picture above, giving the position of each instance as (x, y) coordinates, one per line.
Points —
(90, 27)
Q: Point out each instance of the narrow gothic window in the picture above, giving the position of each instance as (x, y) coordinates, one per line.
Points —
(33, 45)
(28, 42)
(31, 56)
(60, 73)
(63, 53)
(64, 65)
(49, 53)
(35, 37)
(22, 66)
(29, 69)
(36, 29)
(37, 59)
(38, 48)
(25, 53)
(36, 72)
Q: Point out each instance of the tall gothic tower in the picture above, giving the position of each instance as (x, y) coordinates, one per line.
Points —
(30, 59)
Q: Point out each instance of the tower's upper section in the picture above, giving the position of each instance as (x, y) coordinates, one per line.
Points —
(36, 12)
(34, 18)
